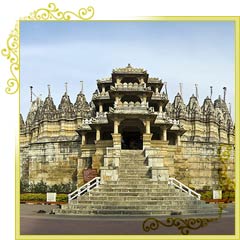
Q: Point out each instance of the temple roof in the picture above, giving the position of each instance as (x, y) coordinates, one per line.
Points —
(65, 104)
(48, 109)
(129, 69)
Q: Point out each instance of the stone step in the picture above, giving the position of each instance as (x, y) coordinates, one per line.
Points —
(131, 212)
(136, 186)
(135, 202)
(129, 198)
(136, 170)
(140, 207)
(111, 212)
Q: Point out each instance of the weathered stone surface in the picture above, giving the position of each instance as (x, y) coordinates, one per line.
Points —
(190, 142)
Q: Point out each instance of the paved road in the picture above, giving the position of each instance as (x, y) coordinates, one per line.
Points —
(32, 222)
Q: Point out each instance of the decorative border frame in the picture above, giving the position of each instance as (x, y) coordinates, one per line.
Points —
(52, 13)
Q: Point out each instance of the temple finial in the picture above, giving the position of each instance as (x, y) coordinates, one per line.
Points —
(81, 86)
(196, 88)
(180, 88)
(165, 84)
(211, 92)
(31, 93)
(224, 93)
(49, 91)
(66, 89)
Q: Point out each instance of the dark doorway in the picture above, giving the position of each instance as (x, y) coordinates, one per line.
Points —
(132, 140)
(132, 133)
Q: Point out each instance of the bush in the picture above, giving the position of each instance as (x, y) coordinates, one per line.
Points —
(42, 187)
(228, 195)
(33, 197)
(41, 197)
(206, 195)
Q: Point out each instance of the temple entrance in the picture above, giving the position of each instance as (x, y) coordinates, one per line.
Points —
(132, 134)
(132, 140)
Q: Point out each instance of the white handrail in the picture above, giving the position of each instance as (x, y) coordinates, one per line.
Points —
(184, 188)
(95, 182)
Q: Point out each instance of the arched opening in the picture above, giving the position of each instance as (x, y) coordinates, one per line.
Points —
(132, 134)
(130, 98)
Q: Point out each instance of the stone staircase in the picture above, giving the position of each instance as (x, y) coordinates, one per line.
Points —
(135, 194)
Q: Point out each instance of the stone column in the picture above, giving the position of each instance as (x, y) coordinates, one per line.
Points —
(116, 123)
(144, 99)
(148, 131)
(160, 108)
(178, 140)
(98, 134)
(100, 107)
(103, 89)
(83, 138)
(164, 134)
(156, 90)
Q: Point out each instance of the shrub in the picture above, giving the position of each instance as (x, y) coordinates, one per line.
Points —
(42, 187)
(206, 195)
(41, 197)
(33, 197)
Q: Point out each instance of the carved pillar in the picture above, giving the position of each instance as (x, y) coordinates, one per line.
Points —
(116, 123)
(83, 138)
(98, 134)
(103, 89)
(100, 107)
(160, 107)
(164, 134)
(148, 127)
(144, 99)
(178, 140)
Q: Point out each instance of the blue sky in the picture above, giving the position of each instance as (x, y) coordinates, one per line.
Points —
(188, 52)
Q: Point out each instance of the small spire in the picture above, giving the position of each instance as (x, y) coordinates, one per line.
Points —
(49, 91)
(31, 93)
(211, 92)
(230, 110)
(66, 89)
(180, 87)
(224, 93)
(165, 84)
(196, 87)
(81, 86)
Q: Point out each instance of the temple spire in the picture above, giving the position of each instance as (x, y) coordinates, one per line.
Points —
(49, 91)
(211, 92)
(165, 84)
(180, 88)
(224, 93)
(66, 89)
(81, 86)
(31, 93)
(196, 88)
(230, 110)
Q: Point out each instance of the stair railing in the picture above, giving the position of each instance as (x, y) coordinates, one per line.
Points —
(174, 182)
(86, 188)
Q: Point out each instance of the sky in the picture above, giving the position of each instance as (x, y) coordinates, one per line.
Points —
(177, 52)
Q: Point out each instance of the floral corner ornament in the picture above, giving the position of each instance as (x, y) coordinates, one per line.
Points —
(52, 13)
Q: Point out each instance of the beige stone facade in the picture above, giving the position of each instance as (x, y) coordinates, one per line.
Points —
(129, 110)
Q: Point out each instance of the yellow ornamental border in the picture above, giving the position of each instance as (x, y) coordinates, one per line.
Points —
(12, 53)
(52, 13)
